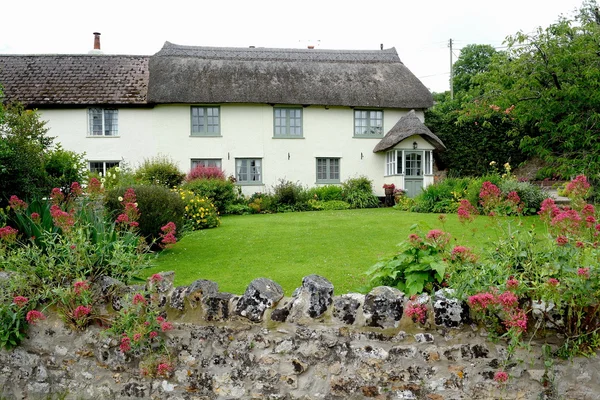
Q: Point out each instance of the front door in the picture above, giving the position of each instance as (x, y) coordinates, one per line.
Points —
(413, 170)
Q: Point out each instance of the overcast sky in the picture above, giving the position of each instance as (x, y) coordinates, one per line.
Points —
(419, 30)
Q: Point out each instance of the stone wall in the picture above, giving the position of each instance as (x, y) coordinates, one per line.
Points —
(310, 346)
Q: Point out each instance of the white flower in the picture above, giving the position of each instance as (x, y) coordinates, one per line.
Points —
(117, 169)
(102, 180)
(108, 174)
(493, 163)
(120, 198)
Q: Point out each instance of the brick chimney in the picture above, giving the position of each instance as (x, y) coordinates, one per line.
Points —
(96, 40)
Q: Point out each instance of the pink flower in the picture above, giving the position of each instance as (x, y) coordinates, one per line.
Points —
(122, 219)
(481, 300)
(163, 369)
(548, 210)
(466, 211)
(8, 234)
(81, 286)
(153, 334)
(562, 240)
(17, 204)
(94, 187)
(512, 283)
(579, 244)
(76, 189)
(57, 196)
(34, 316)
(518, 320)
(578, 187)
(507, 300)
(166, 326)
(414, 239)
(156, 278)
(553, 282)
(417, 312)
(588, 210)
(62, 219)
(20, 301)
(500, 376)
(137, 337)
(82, 311)
(125, 344)
(138, 298)
(584, 272)
(462, 253)
(160, 318)
(35, 217)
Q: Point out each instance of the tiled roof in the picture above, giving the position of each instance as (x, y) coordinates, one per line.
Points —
(67, 80)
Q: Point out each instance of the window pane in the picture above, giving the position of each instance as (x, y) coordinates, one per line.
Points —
(96, 121)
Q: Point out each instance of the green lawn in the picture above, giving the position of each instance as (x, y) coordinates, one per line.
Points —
(339, 245)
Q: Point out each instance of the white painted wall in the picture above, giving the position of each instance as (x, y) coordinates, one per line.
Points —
(246, 132)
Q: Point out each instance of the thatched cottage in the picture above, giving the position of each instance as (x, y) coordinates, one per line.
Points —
(306, 115)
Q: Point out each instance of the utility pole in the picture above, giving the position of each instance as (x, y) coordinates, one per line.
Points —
(451, 72)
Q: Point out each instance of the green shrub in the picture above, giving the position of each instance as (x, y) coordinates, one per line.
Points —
(157, 205)
(318, 205)
(358, 192)
(289, 196)
(159, 170)
(531, 195)
(64, 167)
(238, 209)
(23, 144)
(419, 265)
(442, 197)
(326, 193)
(475, 185)
(221, 192)
(200, 212)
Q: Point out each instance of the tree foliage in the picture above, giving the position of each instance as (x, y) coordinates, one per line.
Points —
(550, 79)
(23, 144)
(474, 59)
(30, 165)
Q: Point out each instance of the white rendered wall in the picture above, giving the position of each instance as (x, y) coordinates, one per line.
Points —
(246, 132)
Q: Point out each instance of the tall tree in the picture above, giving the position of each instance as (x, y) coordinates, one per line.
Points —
(548, 84)
(474, 59)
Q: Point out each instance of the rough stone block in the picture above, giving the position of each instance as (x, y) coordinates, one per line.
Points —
(199, 289)
(178, 296)
(217, 306)
(449, 311)
(262, 293)
(345, 307)
(383, 307)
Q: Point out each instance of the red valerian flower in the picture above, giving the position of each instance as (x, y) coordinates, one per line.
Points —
(125, 345)
(34, 316)
(20, 301)
(82, 311)
(500, 376)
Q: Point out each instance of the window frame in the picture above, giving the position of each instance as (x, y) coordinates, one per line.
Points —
(288, 119)
(104, 167)
(248, 181)
(396, 159)
(205, 121)
(113, 131)
(194, 162)
(369, 124)
(328, 170)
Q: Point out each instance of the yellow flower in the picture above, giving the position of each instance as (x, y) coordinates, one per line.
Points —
(493, 163)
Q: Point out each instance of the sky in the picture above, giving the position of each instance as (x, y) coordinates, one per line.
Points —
(419, 30)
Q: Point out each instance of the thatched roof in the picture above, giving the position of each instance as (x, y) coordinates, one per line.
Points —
(67, 80)
(189, 74)
(407, 126)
